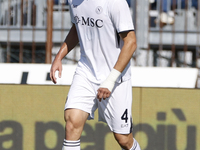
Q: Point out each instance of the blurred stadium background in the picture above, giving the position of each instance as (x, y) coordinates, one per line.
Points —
(165, 68)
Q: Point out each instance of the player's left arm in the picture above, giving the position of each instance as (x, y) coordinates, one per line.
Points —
(125, 55)
(127, 50)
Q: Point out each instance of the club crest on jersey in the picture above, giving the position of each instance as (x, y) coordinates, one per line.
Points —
(99, 10)
(76, 19)
(87, 21)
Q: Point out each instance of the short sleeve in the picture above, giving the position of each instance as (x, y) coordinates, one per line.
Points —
(70, 11)
(121, 16)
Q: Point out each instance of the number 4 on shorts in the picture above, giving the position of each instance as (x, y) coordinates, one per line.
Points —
(125, 116)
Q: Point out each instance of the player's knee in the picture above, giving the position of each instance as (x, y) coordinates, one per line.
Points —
(75, 120)
(72, 123)
(73, 129)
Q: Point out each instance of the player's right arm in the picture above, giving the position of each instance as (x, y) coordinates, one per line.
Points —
(70, 42)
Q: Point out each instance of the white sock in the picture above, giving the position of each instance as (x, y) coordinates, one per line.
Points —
(71, 145)
(135, 146)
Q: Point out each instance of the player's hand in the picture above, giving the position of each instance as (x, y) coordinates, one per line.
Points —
(103, 93)
(56, 66)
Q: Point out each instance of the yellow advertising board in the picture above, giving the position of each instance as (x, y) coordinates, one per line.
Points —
(169, 119)
(31, 118)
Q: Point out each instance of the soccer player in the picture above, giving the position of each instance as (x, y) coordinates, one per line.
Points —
(105, 32)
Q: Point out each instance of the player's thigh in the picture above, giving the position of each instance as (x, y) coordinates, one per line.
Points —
(81, 95)
(116, 110)
(122, 102)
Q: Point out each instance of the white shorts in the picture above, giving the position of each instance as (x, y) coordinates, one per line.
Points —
(115, 110)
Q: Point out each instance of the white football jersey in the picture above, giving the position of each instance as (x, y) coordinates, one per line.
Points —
(98, 24)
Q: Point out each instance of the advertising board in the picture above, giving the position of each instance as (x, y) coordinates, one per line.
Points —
(31, 118)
